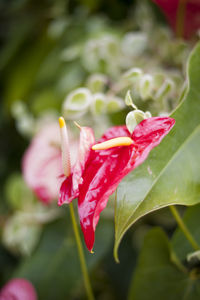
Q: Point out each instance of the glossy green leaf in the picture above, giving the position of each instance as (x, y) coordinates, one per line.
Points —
(157, 277)
(180, 244)
(171, 174)
(54, 268)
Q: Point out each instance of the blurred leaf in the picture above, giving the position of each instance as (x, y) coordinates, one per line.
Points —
(180, 244)
(19, 235)
(156, 277)
(171, 174)
(77, 102)
(96, 83)
(98, 105)
(114, 104)
(133, 73)
(22, 76)
(16, 39)
(133, 44)
(7, 263)
(45, 100)
(17, 193)
(146, 86)
(54, 267)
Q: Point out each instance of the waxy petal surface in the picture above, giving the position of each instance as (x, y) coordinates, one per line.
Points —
(106, 168)
(148, 134)
(86, 141)
(70, 186)
(67, 192)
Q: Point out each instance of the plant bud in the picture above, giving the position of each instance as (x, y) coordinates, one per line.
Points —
(145, 86)
(133, 118)
(147, 114)
(133, 44)
(98, 104)
(96, 83)
(77, 103)
(114, 104)
(165, 89)
(133, 73)
(129, 100)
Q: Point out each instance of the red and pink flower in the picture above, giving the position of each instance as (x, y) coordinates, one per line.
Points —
(100, 168)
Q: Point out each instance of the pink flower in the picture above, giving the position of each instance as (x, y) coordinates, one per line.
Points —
(177, 9)
(96, 176)
(42, 163)
(18, 289)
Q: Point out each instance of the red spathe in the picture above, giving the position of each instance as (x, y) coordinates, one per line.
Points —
(104, 169)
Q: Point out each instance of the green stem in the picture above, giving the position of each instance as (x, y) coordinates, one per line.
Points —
(184, 228)
(180, 18)
(81, 254)
(178, 263)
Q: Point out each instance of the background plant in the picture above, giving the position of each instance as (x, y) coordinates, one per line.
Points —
(90, 61)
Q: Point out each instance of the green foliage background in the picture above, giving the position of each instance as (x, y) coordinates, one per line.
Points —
(42, 60)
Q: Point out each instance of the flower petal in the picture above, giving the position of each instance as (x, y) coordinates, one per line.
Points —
(106, 168)
(87, 139)
(148, 134)
(103, 171)
(67, 192)
(70, 187)
(42, 163)
(18, 289)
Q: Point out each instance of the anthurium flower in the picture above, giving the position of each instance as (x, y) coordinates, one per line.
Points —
(105, 164)
(183, 16)
(42, 163)
(18, 289)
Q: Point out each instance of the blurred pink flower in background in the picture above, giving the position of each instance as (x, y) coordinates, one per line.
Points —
(42, 163)
(18, 289)
(187, 10)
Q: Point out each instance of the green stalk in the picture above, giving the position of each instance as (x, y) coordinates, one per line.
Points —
(87, 283)
(184, 228)
(180, 18)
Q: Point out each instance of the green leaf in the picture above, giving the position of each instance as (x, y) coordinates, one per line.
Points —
(171, 174)
(54, 268)
(180, 244)
(17, 193)
(22, 77)
(157, 277)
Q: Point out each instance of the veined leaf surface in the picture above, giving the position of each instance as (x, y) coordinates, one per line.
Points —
(171, 174)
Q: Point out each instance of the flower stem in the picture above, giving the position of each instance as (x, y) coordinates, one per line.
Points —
(81, 254)
(183, 227)
(180, 18)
